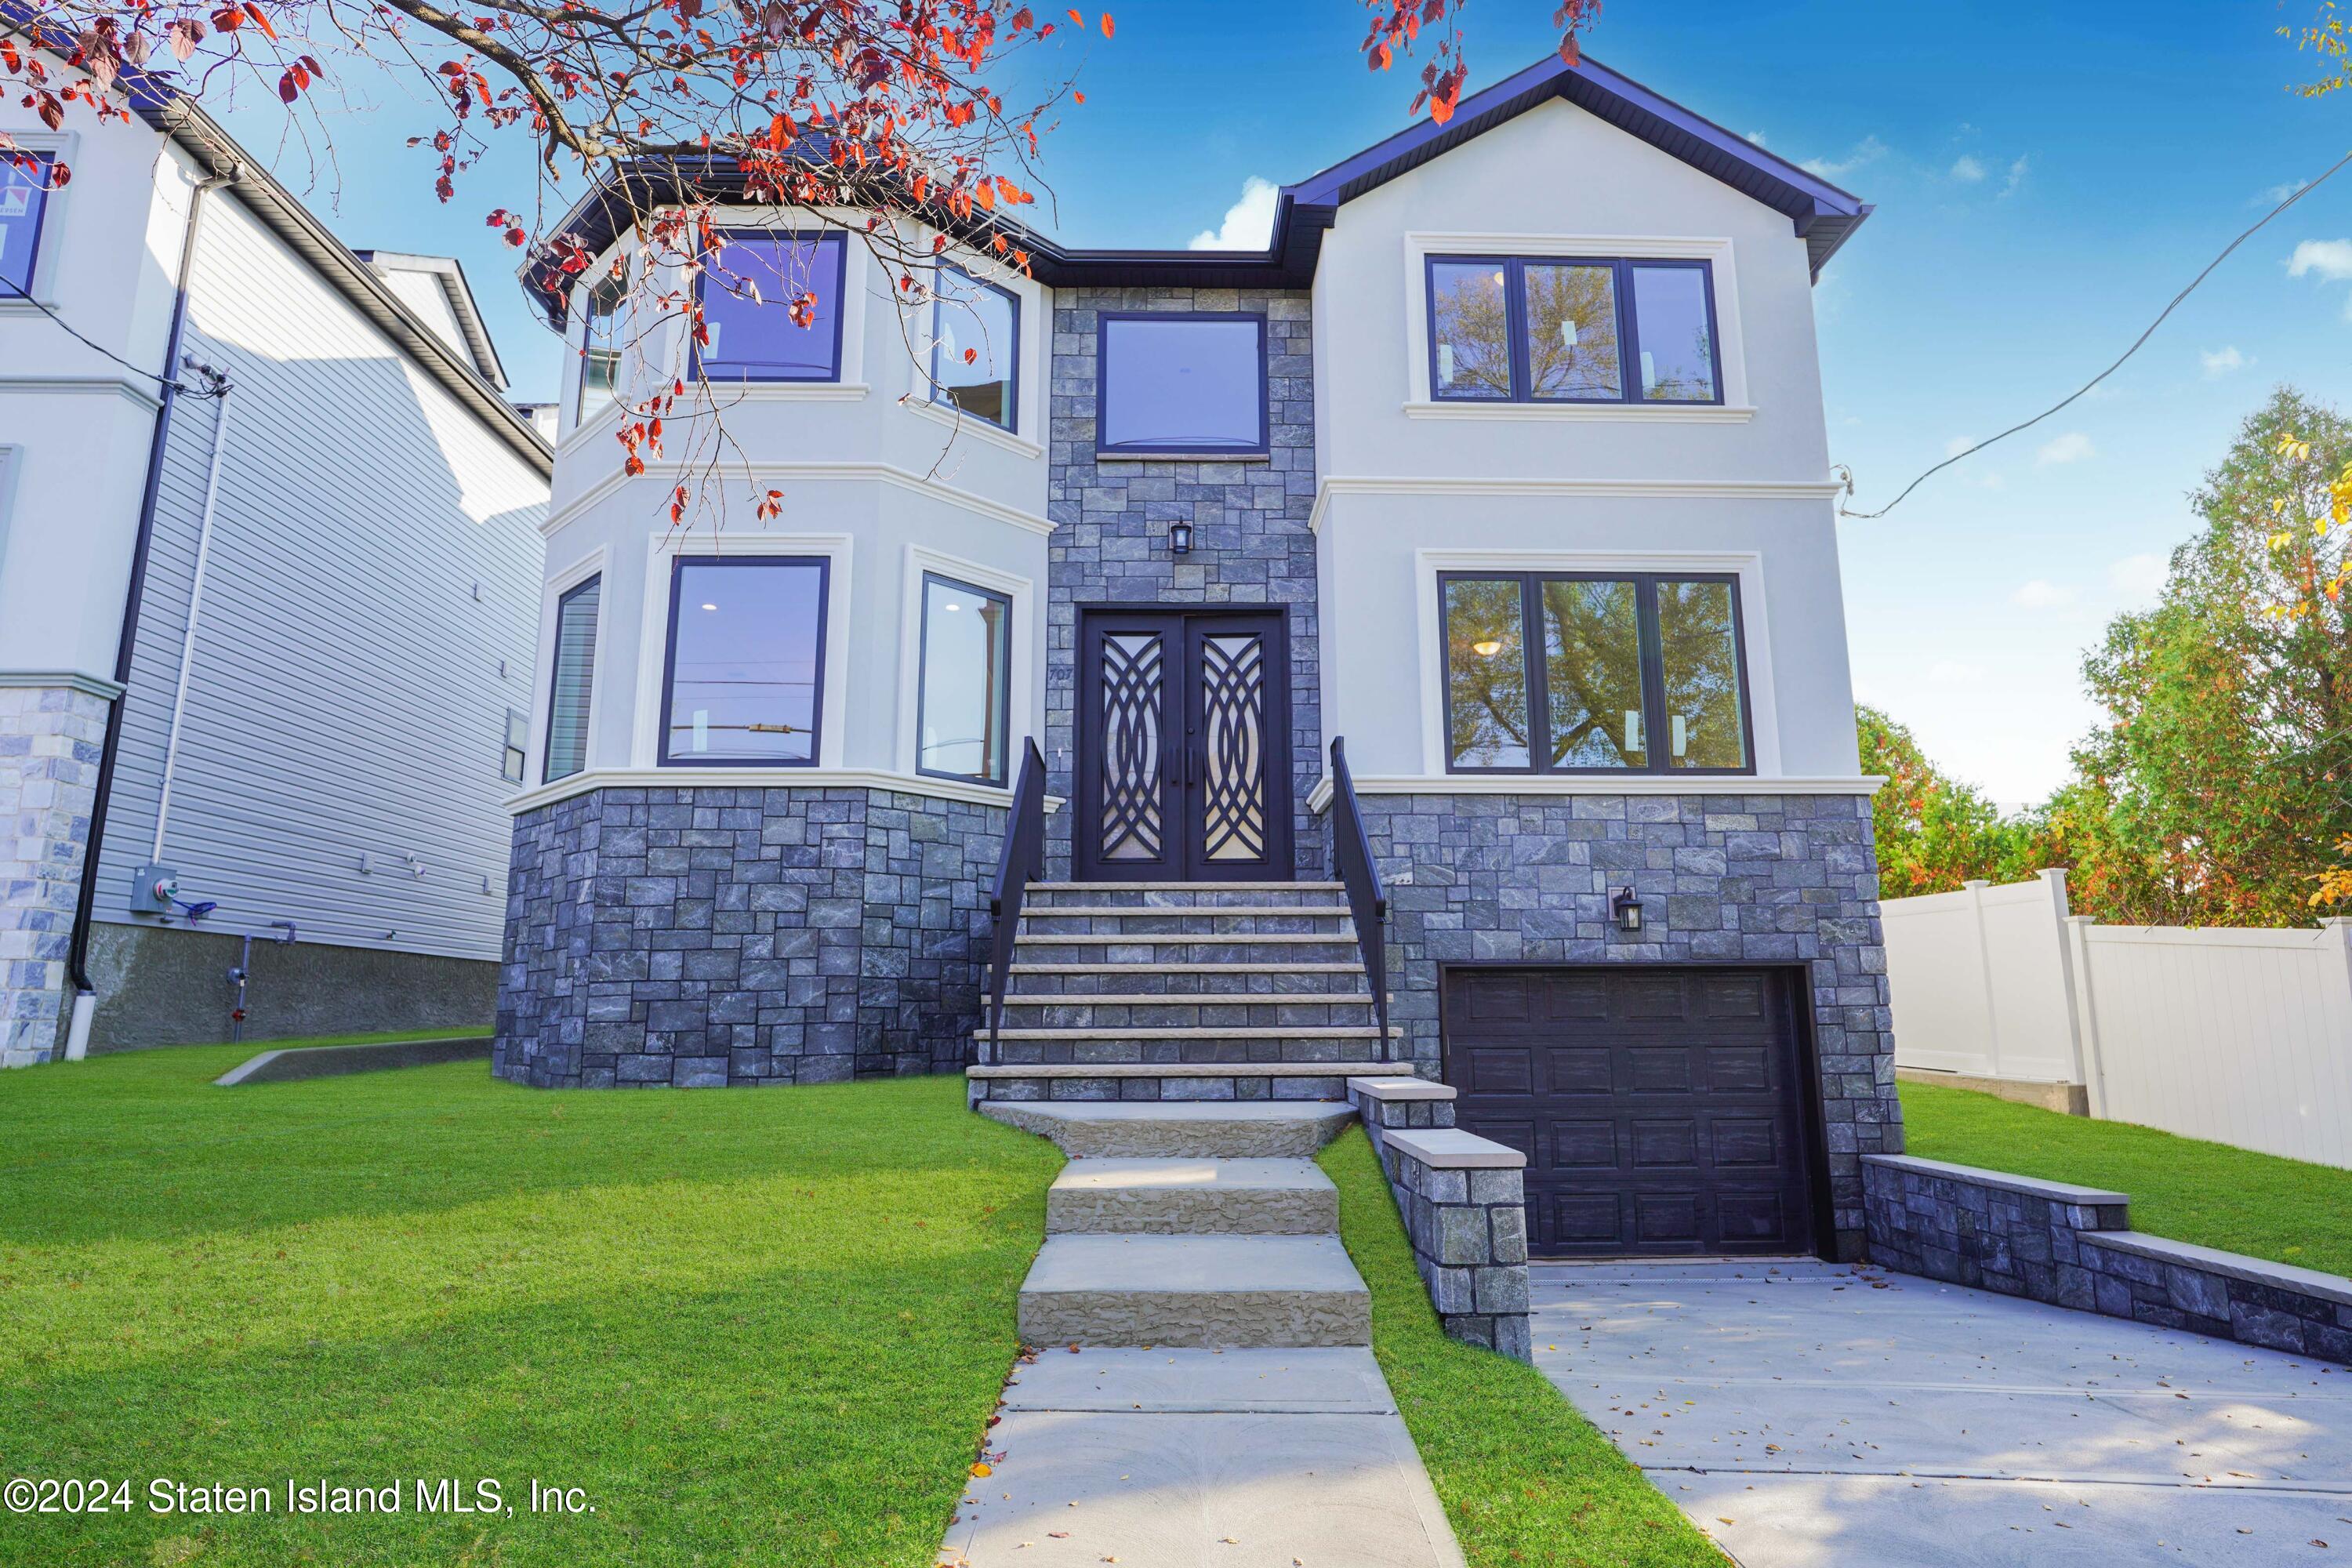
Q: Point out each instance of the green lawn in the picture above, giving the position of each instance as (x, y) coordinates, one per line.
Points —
(2210, 1193)
(750, 1326)
(1525, 1479)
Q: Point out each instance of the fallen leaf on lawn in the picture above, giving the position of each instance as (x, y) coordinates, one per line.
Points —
(1721, 1520)
(1059, 1535)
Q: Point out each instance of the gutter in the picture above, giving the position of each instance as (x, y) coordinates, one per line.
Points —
(85, 1000)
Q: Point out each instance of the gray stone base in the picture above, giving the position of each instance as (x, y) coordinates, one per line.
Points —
(699, 937)
(51, 732)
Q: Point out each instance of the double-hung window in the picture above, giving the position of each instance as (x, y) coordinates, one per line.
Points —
(601, 331)
(743, 680)
(771, 308)
(1508, 329)
(963, 702)
(975, 347)
(1183, 384)
(24, 199)
(1594, 674)
(571, 689)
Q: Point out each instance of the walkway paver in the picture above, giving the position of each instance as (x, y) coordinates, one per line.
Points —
(1806, 1414)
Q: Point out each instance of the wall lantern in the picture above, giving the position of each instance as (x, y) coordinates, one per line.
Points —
(1628, 906)
(1180, 539)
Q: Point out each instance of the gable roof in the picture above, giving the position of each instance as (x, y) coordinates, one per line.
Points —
(447, 274)
(1821, 215)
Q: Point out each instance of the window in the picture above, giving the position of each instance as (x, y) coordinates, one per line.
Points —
(1547, 330)
(1185, 384)
(1578, 673)
(976, 348)
(518, 745)
(963, 705)
(600, 346)
(745, 674)
(572, 685)
(23, 198)
(771, 305)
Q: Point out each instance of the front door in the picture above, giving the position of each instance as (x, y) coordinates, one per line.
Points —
(1183, 765)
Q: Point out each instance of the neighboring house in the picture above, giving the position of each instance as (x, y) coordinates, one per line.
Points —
(332, 575)
(1551, 366)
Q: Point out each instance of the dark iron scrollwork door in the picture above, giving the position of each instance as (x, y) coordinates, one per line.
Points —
(1183, 765)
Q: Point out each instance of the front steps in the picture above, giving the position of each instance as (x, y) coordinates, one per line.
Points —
(1203, 1291)
(1151, 1131)
(1174, 1198)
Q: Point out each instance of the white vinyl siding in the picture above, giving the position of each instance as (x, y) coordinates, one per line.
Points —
(369, 617)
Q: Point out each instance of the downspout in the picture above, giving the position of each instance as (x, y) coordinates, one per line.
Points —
(222, 386)
(85, 1000)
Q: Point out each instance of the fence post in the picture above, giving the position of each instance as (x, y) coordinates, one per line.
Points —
(2087, 1015)
(2338, 963)
(1976, 887)
(2054, 882)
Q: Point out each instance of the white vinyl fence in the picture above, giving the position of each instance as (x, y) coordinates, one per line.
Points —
(2240, 1037)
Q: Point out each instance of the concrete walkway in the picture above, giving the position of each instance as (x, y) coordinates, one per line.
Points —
(1804, 1414)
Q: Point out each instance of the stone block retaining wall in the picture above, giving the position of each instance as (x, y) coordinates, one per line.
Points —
(50, 737)
(703, 937)
(2074, 1246)
(1464, 1202)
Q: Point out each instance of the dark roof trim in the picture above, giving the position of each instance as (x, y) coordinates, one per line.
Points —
(449, 273)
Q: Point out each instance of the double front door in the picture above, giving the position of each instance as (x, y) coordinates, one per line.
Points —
(1183, 731)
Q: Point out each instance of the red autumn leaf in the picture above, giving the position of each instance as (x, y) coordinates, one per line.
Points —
(260, 20)
(1106, 25)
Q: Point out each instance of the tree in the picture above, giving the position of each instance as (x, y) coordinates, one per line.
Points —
(1933, 832)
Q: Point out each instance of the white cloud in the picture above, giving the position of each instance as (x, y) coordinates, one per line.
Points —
(1249, 221)
(1757, 137)
(1869, 150)
(2277, 193)
(1968, 169)
(2070, 448)
(2016, 176)
(2330, 258)
(2138, 578)
(2222, 362)
(1952, 672)
(1959, 444)
(2040, 593)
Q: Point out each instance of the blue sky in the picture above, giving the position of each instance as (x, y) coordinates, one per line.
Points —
(2045, 176)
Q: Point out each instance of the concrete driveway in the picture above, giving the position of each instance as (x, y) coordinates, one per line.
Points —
(1802, 1413)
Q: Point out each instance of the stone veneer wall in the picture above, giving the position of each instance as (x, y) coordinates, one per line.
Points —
(2074, 1246)
(1763, 880)
(1250, 543)
(51, 738)
(698, 937)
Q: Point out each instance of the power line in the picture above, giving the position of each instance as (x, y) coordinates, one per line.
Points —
(163, 381)
(2177, 298)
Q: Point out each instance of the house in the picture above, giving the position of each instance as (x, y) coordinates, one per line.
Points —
(1504, 462)
(269, 569)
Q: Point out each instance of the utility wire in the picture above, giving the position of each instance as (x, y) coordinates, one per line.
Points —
(2177, 298)
(163, 381)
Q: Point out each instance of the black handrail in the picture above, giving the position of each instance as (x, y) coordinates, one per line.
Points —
(1366, 901)
(1023, 862)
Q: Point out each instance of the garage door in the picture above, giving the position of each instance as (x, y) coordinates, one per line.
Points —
(1658, 1108)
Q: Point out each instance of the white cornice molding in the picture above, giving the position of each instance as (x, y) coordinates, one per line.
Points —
(52, 679)
(1591, 784)
(71, 386)
(1584, 413)
(668, 476)
(764, 778)
(969, 425)
(1621, 490)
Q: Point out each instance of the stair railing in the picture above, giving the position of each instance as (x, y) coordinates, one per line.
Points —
(1366, 902)
(1023, 862)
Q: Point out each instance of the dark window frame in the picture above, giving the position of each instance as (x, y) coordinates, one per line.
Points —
(1011, 423)
(1656, 722)
(589, 352)
(823, 564)
(1264, 445)
(555, 652)
(1629, 341)
(1002, 698)
(43, 193)
(831, 239)
(516, 754)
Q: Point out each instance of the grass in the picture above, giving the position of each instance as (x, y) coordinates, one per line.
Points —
(2208, 1193)
(749, 1326)
(1527, 1481)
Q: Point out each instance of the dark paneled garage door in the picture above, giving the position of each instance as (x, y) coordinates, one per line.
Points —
(1658, 1108)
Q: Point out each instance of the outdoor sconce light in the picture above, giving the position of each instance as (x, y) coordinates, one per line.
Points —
(1180, 539)
(1628, 906)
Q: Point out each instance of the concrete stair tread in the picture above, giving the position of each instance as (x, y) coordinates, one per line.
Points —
(1218, 1129)
(1319, 966)
(1172, 1069)
(1187, 887)
(1199, 1032)
(1188, 999)
(1193, 1265)
(1163, 911)
(1196, 938)
(1245, 1174)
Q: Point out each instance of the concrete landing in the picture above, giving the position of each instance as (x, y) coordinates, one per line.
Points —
(1189, 1459)
(1273, 1197)
(1160, 1129)
(1194, 1290)
(1805, 1414)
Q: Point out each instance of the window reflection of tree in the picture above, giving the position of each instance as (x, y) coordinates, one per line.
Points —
(1698, 641)
(1474, 332)
(1579, 364)
(1486, 658)
(1592, 657)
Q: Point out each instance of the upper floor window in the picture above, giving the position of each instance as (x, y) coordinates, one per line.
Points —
(512, 759)
(1571, 329)
(572, 686)
(1594, 674)
(23, 198)
(600, 345)
(1189, 383)
(963, 706)
(772, 306)
(744, 681)
(975, 347)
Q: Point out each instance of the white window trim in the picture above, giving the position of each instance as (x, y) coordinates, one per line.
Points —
(652, 650)
(63, 147)
(544, 685)
(1748, 566)
(1421, 401)
(1022, 710)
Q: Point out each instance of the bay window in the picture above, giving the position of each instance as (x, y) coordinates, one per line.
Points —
(743, 678)
(571, 687)
(1585, 673)
(963, 700)
(24, 201)
(975, 347)
(1573, 330)
(772, 306)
